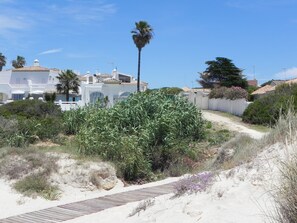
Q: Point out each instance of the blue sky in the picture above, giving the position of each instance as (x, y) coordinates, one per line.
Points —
(260, 36)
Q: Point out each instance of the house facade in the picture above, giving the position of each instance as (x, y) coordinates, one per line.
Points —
(34, 81)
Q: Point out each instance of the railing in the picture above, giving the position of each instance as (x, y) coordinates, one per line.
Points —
(69, 105)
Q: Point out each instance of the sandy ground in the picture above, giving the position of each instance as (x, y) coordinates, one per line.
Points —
(238, 195)
(231, 125)
(13, 203)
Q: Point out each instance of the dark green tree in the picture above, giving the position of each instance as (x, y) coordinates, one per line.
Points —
(222, 72)
(68, 82)
(141, 35)
(19, 62)
(2, 61)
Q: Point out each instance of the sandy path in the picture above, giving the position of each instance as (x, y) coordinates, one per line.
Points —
(231, 124)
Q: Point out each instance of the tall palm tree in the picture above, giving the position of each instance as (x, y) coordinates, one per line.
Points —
(2, 61)
(141, 35)
(19, 62)
(68, 82)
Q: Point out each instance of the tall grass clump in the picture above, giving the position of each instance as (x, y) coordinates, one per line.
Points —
(286, 196)
(285, 129)
(146, 133)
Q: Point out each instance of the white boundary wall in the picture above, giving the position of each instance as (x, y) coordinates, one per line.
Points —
(201, 100)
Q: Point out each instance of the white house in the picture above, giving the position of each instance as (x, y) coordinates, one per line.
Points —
(113, 88)
(16, 84)
(35, 81)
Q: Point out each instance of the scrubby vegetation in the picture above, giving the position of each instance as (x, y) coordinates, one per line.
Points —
(268, 109)
(149, 136)
(231, 93)
(24, 122)
(30, 170)
(285, 195)
(145, 134)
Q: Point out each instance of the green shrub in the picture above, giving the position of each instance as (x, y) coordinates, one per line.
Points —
(50, 97)
(171, 90)
(37, 184)
(218, 92)
(268, 109)
(142, 134)
(234, 93)
(231, 93)
(30, 109)
(30, 120)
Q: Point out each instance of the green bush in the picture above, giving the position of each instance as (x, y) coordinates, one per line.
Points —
(30, 109)
(142, 134)
(218, 92)
(26, 121)
(267, 110)
(37, 184)
(171, 90)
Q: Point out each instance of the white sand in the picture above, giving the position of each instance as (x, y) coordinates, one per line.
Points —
(238, 195)
(13, 203)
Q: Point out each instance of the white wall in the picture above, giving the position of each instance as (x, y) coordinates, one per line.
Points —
(112, 91)
(235, 107)
(5, 77)
(24, 76)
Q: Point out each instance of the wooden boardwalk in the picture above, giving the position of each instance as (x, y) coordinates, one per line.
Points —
(81, 208)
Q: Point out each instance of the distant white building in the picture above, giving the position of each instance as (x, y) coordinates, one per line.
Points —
(111, 87)
(16, 84)
(35, 81)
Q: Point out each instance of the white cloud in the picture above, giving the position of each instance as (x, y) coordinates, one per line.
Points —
(51, 51)
(15, 23)
(10, 26)
(83, 11)
(289, 73)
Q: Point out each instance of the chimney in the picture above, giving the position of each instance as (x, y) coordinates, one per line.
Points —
(36, 63)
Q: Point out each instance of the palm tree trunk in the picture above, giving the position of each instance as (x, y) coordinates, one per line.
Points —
(138, 73)
(67, 94)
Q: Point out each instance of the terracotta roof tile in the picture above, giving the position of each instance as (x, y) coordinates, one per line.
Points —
(264, 90)
(31, 69)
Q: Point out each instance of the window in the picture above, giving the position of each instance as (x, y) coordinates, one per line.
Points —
(17, 97)
(96, 96)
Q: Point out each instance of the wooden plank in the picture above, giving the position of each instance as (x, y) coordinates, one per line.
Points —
(64, 211)
(35, 217)
(81, 208)
(51, 216)
(27, 219)
(8, 220)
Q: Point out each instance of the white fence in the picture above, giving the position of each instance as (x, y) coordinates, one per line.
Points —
(66, 106)
(201, 100)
